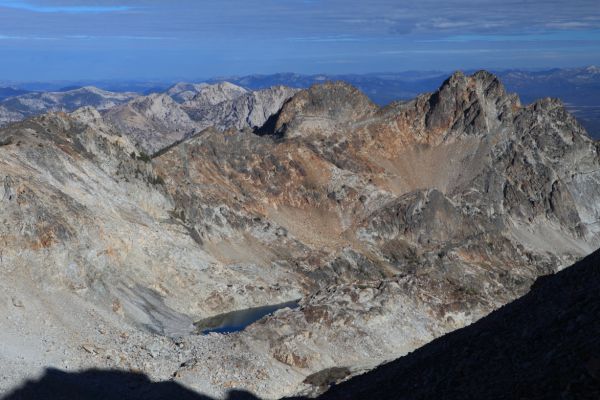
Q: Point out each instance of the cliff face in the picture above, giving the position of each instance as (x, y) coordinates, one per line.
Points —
(394, 225)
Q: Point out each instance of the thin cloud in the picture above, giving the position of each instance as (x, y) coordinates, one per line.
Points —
(83, 37)
(325, 39)
(118, 37)
(19, 5)
(554, 36)
(569, 25)
(439, 51)
(17, 37)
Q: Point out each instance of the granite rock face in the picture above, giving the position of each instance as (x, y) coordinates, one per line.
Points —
(248, 110)
(394, 226)
(211, 95)
(156, 121)
(152, 122)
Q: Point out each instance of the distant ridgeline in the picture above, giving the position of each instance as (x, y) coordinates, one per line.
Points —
(577, 88)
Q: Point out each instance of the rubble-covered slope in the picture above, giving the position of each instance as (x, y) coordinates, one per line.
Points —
(543, 345)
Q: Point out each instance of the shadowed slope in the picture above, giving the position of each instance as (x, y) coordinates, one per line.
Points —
(544, 345)
(106, 385)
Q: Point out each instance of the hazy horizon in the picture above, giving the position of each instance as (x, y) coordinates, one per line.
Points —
(182, 79)
(73, 40)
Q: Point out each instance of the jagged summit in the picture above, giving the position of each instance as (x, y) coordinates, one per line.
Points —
(159, 120)
(473, 104)
(249, 110)
(157, 102)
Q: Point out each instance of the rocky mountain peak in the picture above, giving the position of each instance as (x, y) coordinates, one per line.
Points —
(184, 91)
(152, 122)
(593, 69)
(217, 93)
(475, 104)
(321, 107)
(154, 99)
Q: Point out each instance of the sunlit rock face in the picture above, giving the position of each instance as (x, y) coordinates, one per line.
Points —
(393, 226)
(156, 121)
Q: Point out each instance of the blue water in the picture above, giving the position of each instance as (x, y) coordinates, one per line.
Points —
(237, 321)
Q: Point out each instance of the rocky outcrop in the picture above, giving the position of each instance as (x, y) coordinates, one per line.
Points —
(393, 225)
(321, 108)
(152, 122)
(249, 110)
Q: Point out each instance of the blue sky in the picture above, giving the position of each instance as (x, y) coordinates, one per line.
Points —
(195, 39)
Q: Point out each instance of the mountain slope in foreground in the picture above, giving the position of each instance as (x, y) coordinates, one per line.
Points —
(544, 345)
(541, 346)
(393, 226)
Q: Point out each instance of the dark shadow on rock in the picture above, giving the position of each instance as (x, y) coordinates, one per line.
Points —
(545, 345)
(107, 385)
(268, 128)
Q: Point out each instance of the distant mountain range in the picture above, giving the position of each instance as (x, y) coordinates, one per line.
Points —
(29, 104)
(6, 92)
(578, 88)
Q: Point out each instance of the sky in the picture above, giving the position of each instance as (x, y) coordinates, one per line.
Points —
(52, 40)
